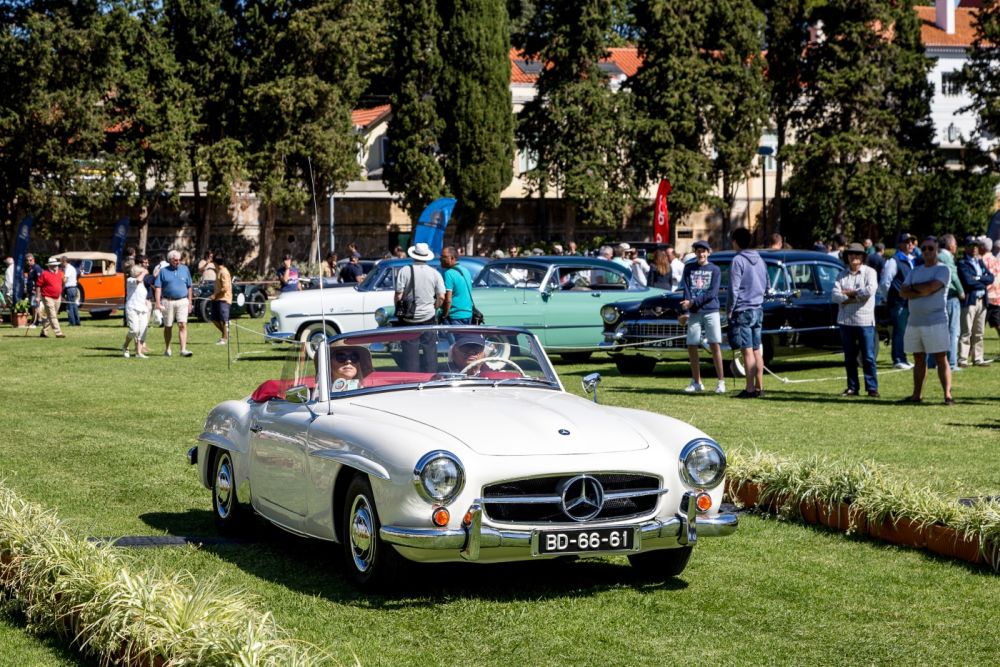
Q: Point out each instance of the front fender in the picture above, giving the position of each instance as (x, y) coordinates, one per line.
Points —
(226, 427)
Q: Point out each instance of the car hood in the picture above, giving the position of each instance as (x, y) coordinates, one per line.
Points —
(510, 421)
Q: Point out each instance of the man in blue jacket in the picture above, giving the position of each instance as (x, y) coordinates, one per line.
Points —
(747, 283)
(975, 279)
(700, 282)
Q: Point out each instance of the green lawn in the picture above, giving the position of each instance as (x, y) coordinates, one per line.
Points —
(101, 440)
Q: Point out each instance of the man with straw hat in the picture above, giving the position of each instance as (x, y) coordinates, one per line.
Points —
(50, 288)
(854, 293)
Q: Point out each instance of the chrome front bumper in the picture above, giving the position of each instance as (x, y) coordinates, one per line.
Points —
(683, 529)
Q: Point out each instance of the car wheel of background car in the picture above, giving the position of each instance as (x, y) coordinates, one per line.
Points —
(313, 335)
(576, 357)
(635, 365)
(202, 310)
(256, 305)
(371, 563)
(768, 345)
(661, 564)
(100, 314)
(227, 511)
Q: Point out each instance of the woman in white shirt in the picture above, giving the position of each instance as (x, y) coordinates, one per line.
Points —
(136, 312)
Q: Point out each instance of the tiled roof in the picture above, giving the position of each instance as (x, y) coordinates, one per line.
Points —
(626, 59)
(932, 35)
(364, 117)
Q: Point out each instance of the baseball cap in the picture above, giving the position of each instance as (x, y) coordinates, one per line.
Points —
(905, 237)
(700, 243)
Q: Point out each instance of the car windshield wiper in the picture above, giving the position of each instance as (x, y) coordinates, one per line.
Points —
(450, 379)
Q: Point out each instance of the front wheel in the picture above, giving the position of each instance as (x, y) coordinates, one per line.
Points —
(576, 357)
(316, 334)
(661, 564)
(256, 305)
(371, 563)
(229, 514)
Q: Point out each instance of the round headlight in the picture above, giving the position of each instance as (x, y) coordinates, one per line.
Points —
(381, 318)
(439, 477)
(702, 463)
(610, 314)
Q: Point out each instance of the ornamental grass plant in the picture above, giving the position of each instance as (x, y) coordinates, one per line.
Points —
(89, 594)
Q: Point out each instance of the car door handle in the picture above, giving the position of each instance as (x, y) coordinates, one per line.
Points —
(256, 428)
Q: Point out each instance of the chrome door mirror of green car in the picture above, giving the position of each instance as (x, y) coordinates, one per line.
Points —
(590, 383)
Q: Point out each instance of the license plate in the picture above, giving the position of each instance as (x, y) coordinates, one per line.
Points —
(585, 541)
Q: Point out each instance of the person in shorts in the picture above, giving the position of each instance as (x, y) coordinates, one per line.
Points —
(424, 286)
(173, 299)
(700, 283)
(993, 291)
(747, 284)
(222, 299)
(926, 287)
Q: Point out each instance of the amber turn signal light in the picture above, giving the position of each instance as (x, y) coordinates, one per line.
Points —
(704, 502)
(440, 517)
(467, 519)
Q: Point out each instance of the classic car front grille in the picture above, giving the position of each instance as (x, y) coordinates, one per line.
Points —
(658, 331)
(539, 499)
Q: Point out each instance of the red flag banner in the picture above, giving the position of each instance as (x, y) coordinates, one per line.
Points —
(661, 215)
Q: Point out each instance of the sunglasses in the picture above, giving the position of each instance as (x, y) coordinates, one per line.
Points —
(927, 248)
(470, 348)
(347, 357)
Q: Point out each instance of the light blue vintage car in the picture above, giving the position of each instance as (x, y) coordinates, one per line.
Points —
(557, 298)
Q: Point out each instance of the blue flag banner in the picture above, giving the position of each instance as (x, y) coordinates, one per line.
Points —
(20, 250)
(433, 222)
(118, 239)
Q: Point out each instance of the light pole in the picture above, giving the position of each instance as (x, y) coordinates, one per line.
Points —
(764, 152)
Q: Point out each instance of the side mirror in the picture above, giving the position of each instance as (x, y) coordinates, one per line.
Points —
(590, 383)
(297, 394)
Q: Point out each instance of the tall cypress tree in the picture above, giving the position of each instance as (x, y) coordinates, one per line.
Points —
(576, 124)
(414, 169)
(701, 98)
(863, 130)
(474, 100)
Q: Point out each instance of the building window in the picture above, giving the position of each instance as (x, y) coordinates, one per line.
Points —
(951, 84)
(526, 160)
(769, 139)
(386, 151)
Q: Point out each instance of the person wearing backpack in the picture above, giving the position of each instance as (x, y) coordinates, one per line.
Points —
(419, 293)
(457, 305)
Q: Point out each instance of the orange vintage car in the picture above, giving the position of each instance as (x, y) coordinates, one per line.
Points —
(102, 287)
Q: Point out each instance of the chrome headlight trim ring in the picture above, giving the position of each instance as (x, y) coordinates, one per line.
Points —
(422, 467)
(700, 446)
(610, 314)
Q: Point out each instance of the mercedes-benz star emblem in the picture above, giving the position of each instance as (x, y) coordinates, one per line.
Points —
(563, 431)
(582, 498)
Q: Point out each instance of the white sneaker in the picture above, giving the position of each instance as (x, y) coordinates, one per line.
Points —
(186, 353)
(125, 354)
(140, 355)
(222, 342)
(720, 388)
(902, 365)
(694, 386)
(166, 352)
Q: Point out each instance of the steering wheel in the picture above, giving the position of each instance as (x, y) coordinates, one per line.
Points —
(503, 362)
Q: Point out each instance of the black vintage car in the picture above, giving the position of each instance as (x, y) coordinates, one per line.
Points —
(247, 298)
(798, 314)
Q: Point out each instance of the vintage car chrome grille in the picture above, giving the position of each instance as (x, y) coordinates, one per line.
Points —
(539, 499)
(637, 331)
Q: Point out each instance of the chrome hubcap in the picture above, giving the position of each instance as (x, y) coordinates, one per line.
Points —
(362, 536)
(224, 487)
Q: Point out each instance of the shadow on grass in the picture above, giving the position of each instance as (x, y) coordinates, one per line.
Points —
(60, 647)
(315, 567)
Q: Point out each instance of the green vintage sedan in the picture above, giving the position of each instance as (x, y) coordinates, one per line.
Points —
(557, 298)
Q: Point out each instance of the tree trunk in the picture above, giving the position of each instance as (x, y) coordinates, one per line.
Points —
(143, 229)
(779, 179)
(266, 240)
(569, 220)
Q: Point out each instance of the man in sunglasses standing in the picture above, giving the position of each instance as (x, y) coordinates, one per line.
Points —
(926, 287)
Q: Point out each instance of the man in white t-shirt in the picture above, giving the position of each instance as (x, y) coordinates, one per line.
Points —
(71, 290)
(422, 286)
(926, 287)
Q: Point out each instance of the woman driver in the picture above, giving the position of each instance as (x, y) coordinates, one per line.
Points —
(349, 364)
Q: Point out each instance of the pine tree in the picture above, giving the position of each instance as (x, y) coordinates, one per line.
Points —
(863, 130)
(576, 126)
(474, 100)
(981, 75)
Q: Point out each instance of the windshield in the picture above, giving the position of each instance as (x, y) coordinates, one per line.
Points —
(419, 358)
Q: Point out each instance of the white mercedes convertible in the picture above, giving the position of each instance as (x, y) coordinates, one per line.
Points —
(398, 452)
